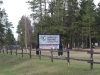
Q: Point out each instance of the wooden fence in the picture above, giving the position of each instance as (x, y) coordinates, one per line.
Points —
(51, 56)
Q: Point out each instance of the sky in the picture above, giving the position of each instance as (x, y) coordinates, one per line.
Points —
(16, 9)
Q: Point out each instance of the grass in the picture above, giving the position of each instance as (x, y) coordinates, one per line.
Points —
(18, 65)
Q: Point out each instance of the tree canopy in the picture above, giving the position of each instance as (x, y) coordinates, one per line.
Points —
(76, 21)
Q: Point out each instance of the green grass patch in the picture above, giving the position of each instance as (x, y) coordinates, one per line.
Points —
(17, 65)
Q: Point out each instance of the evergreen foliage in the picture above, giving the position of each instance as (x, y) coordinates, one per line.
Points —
(6, 35)
(76, 21)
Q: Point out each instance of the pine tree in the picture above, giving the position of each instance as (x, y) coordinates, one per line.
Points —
(9, 38)
(72, 9)
(97, 27)
(88, 20)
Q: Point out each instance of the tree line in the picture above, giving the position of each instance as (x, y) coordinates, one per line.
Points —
(76, 21)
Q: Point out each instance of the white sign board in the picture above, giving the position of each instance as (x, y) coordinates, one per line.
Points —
(49, 41)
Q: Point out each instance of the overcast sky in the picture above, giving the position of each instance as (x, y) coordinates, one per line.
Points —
(17, 8)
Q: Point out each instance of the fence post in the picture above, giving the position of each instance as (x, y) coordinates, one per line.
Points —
(7, 50)
(51, 55)
(91, 59)
(68, 59)
(30, 52)
(11, 50)
(16, 51)
(22, 51)
(39, 54)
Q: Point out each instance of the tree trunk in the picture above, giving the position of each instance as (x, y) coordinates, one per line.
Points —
(82, 43)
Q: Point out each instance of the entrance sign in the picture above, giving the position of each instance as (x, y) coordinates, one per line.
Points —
(49, 41)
